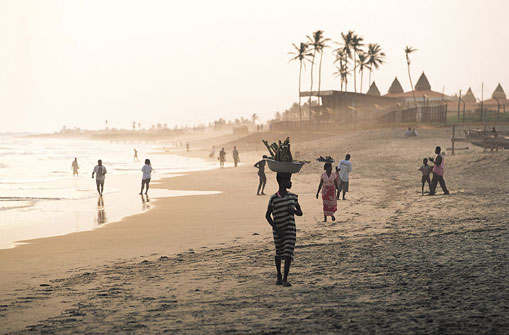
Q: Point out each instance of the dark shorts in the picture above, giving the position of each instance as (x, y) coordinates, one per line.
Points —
(426, 179)
(145, 181)
(343, 186)
(99, 182)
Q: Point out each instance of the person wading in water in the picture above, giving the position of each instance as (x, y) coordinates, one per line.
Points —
(438, 172)
(280, 215)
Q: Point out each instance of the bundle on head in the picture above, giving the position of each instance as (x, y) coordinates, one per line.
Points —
(280, 151)
(326, 159)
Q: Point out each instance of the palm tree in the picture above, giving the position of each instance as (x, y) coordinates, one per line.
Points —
(343, 72)
(352, 44)
(356, 46)
(363, 64)
(408, 51)
(301, 54)
(254, 117)
(347, 45)
(375, 58)
(318, 42)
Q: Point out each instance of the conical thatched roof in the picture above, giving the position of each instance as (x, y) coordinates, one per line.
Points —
(469, 96)
(423, 83)
(395, 87)
(498, 92)
(373, 90)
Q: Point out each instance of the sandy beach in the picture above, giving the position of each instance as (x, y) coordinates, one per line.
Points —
(394, 261)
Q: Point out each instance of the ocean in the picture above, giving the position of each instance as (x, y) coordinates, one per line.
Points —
(39, 197)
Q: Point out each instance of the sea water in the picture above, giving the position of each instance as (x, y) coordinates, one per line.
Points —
(40, 197)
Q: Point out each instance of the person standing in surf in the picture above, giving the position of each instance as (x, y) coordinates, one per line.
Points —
(281, 211)
(328, 185)
(222, 157)
(75, 167)
(147, 173)
(236, 158)
(99, 172)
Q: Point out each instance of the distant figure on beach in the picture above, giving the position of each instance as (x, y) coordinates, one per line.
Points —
(414, 132)
(260, 165)
(280, 215)
(147, 173)
(408, 132)
(438, 172)
(135, 158)
(187, 146)
(345, 167)
(222, 157)
(328, 185)
(494, 135)
(426, 171)
(213, 152)
(99, 172)
(236, 158)
(75, 167)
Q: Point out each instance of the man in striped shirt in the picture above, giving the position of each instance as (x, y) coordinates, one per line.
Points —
(280, 215)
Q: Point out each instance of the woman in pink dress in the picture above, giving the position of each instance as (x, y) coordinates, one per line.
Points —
(328, 185)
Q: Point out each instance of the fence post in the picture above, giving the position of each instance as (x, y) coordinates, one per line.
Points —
(453, 134)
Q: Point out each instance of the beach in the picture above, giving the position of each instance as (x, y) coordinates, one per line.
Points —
(393, 262)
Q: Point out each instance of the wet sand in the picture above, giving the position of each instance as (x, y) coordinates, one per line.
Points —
(394, 262)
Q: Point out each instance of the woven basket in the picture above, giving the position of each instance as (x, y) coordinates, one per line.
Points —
(284, 167)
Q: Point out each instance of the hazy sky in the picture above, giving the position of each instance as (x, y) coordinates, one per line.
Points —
(78, 63)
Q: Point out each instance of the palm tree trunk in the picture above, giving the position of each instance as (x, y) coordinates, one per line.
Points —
(369, 78)
(412, 85)
(300, 74)
(362, 76)
(311, 89)
(354, 73)
(320, 76)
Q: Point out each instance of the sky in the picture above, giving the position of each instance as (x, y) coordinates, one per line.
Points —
(78, 63)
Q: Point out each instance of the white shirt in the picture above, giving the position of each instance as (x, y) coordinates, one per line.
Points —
(147, 170)
(345, 168)
(99, 171)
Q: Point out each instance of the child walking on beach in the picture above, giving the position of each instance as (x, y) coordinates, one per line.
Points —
(426, 171)
(280, 215)
(147, 173)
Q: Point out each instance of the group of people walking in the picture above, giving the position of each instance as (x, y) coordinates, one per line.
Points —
(222, 156)
(100, 171)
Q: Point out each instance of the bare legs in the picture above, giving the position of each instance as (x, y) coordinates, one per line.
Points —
(143, 183)
(261, 186)
(283, 279)
(332, 217)
(100, 188)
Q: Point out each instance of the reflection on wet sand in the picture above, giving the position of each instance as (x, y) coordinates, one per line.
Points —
(101, 213)
(145, 201)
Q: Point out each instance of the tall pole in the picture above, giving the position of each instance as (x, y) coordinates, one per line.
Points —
(459, 104)
(482, 98)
